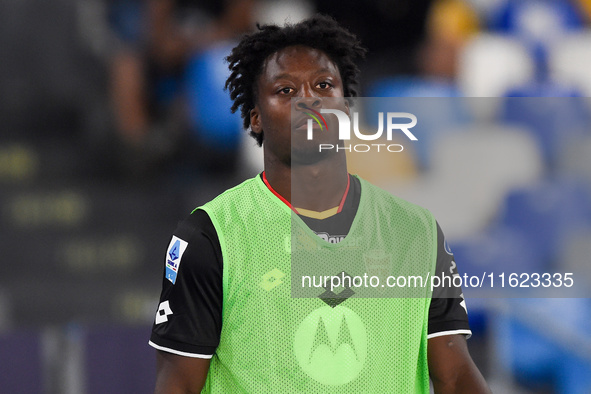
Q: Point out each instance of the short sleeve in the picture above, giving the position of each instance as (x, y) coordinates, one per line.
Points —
(189, 317)
(448, 314)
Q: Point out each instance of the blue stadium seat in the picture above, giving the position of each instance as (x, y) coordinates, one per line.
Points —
(471, 170)
(208, 104)
(491, 63)
(569, 59)
(497, 250)
(530, 18)
(545, 89)
(553, 114)
(547, 213)
(436, 103)
(574, 375)
(537, 23)
(535, 362)
(412, 87)
(544, 343)
(575, 160)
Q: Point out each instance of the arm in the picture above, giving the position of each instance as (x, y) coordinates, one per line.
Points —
(179, 374)
(451, 368)
(450, 365)
(186, 330)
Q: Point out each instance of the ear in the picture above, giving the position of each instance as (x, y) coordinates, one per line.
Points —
(255, 120)
(347, 110)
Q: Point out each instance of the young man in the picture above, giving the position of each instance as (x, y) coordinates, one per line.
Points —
(227, 321)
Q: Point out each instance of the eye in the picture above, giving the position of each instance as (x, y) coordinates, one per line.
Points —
(286, 90)
(324, 85)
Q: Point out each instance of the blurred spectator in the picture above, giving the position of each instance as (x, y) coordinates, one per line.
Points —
(450, 23)
(155, 40)
(585, 7)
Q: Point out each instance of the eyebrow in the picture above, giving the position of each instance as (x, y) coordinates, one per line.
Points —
(287, 76)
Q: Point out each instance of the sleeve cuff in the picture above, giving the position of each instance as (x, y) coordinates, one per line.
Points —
(178, 352)
(181, 349)
(467, 333)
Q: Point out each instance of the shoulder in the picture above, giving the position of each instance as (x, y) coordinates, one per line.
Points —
(198, 223)
(235, 194)
(195, 238)
(234, 201)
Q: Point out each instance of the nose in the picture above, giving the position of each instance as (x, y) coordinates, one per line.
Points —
(308, 102)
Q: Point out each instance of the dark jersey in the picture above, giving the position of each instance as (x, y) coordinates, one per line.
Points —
(189, 318)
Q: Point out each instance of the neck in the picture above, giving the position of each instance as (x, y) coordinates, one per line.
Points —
(316, 187)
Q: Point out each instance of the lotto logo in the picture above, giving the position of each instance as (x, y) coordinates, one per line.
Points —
(272, 279)
(163, 312)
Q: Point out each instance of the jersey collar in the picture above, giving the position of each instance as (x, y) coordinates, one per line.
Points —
(338, 209)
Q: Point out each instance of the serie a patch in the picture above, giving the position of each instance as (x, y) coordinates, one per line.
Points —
(174, 254)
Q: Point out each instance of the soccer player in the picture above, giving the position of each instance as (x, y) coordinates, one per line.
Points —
(227, 321)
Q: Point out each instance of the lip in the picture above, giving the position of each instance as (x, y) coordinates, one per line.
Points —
(304, 126)
(301, 122)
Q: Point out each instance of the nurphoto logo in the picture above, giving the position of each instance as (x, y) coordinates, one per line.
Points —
(391, 125)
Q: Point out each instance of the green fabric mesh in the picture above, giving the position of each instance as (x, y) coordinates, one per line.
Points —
(273, 342)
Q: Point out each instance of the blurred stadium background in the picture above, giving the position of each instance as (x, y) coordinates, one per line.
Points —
(114, 125)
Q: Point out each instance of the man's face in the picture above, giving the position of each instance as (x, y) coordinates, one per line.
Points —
(309, 76)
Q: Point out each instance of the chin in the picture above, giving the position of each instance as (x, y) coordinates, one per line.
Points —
(310, 156)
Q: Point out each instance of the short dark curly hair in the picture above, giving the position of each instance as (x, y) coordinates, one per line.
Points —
(319, 32)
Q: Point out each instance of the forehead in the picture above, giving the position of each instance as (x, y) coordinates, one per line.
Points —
(295, 60)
